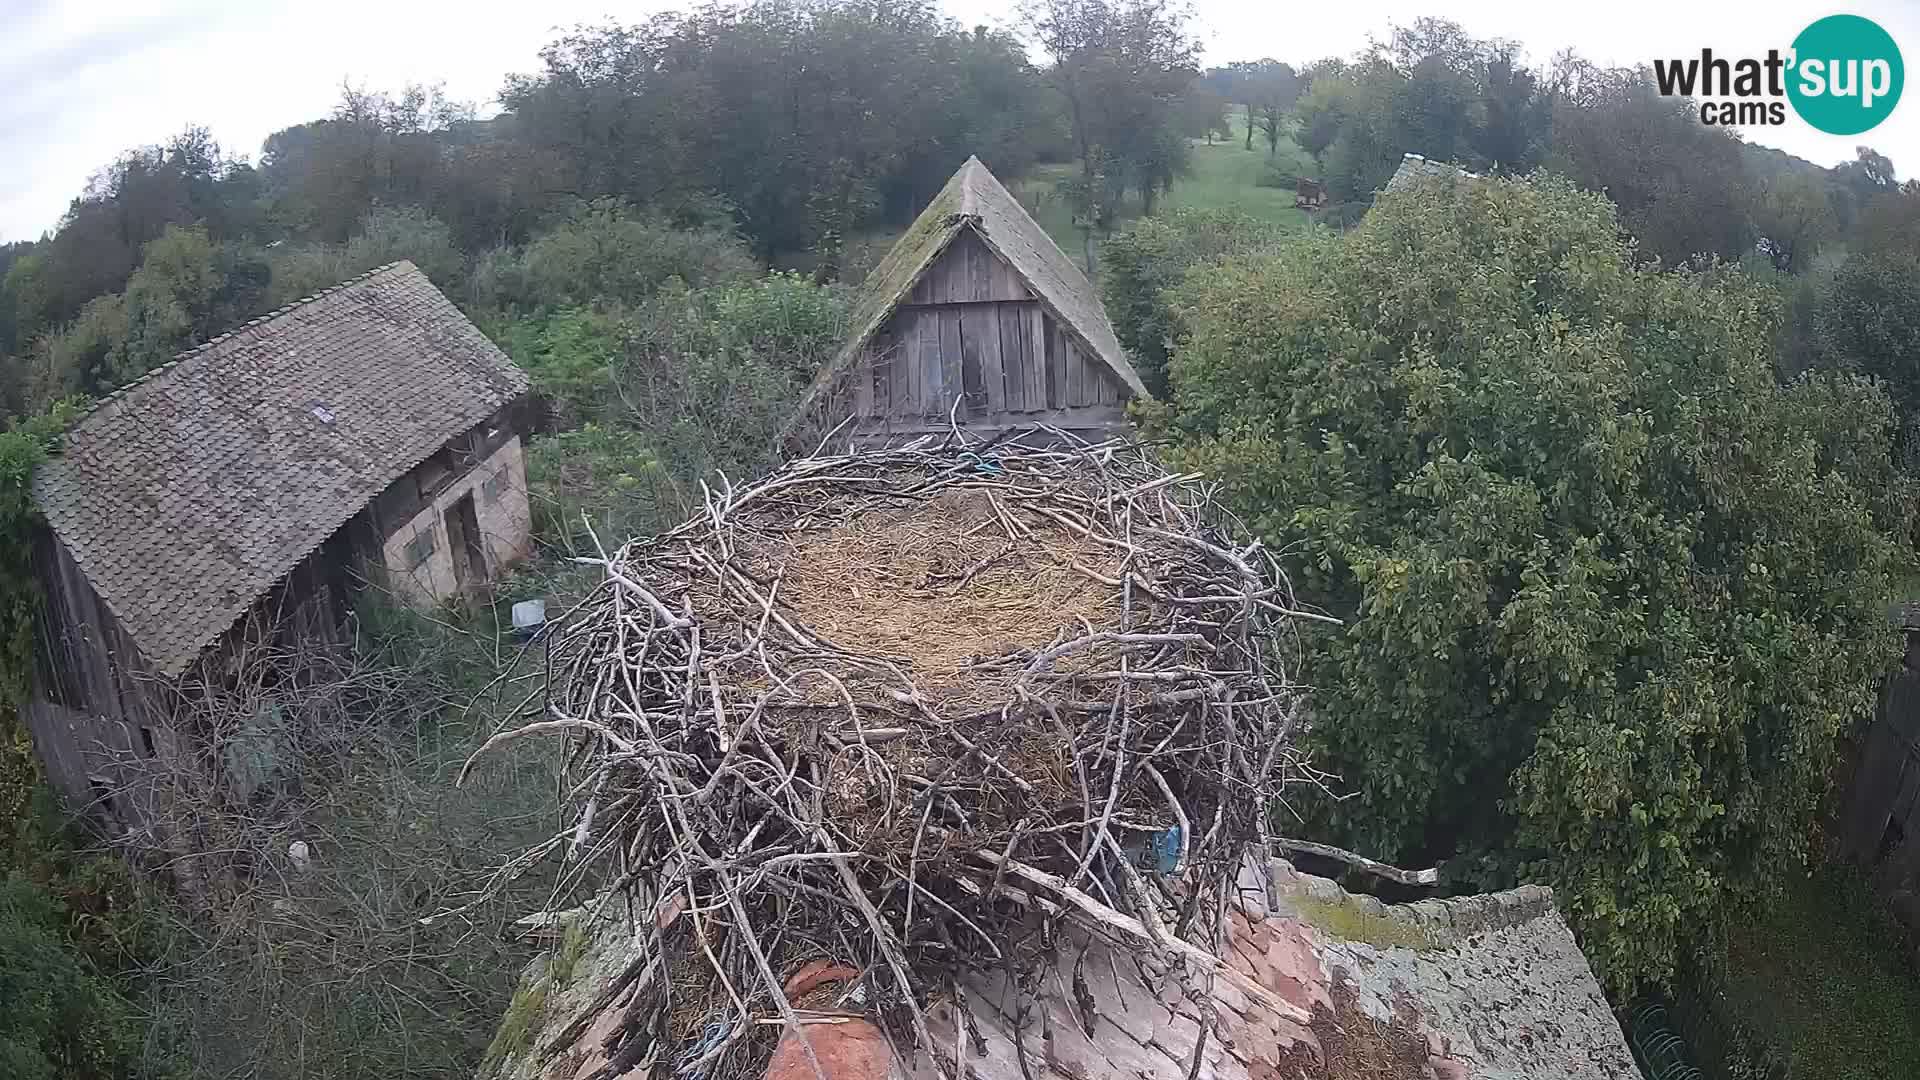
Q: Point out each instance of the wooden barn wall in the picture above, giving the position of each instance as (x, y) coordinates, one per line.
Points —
(1880, 827)
(970, 328)
(90, 695)
(97, 712)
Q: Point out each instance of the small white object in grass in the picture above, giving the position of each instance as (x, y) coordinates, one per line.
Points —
(529, 617)
(301, 855)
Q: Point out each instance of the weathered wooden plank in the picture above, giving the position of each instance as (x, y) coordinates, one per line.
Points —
(863, 369)
(912, 371)
(886, 376)
(953, 273)
(980, 357)
(913, 364)
(1037, 373)
(1907, 801)
(951, 379)
(900, 373)
(1007, 284)
(1077, 389)
(1013, 357)
(983, 325)
(933, 384)
(1878, 779)
(1052, 366)
(1093, 420)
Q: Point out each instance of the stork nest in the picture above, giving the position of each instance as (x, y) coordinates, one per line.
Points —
(916, 710)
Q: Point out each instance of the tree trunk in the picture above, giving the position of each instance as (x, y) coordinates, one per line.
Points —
(1249, 125)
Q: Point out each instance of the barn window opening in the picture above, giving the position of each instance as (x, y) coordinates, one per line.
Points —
(420, 548)
(493, 485)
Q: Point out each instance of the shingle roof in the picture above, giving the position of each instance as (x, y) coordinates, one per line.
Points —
(1414, 168)
(188, 494)
(974, 199)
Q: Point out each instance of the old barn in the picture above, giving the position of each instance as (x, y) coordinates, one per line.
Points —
(975, 315)
(361, 436)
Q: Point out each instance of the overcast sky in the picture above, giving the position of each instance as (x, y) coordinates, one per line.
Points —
(80, 83)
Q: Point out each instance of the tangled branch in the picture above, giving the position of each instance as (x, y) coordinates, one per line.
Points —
(917, 710)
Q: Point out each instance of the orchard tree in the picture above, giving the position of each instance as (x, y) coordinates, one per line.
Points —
(1611, 594)
(1269, 89)
(1121, 67)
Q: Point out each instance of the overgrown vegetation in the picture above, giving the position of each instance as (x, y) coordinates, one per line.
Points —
(1593, 558)
(1813, 982)
(349, 913)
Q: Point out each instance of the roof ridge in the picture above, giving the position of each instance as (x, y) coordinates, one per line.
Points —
(123, 389)
(969, 197)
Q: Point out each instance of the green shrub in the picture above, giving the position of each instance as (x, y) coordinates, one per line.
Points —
(691, 382)
(61, 1021)
(388, 234)
(608, 254)
(1612, 594)
(1139, 266)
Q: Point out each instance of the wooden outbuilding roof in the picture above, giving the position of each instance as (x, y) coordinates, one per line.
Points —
(1413, 169)
(188, 494)
(975, 200)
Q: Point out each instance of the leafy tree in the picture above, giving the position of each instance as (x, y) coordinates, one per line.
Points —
(1612, 594)
(387, 235)
(608, 253)
(1795, 218)
(1868, 321)
(1431, 89)
(1870, 173)
(1121, 67)
(810, 120)
(1269, 89)
(1890, 220)
(1141, 266)
(177, 298)
(1324, 108)
(1682, 186)
(1203, 114)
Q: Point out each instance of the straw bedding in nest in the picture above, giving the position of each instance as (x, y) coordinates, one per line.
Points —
(917, 710)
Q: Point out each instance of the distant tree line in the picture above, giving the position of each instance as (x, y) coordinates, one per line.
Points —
(798, 126)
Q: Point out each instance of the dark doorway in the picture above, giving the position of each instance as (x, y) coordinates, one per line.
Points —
(463, 543)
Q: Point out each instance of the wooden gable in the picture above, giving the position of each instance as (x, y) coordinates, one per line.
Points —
(972, 328)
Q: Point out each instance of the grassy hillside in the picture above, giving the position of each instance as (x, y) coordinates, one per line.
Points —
(1224, 177)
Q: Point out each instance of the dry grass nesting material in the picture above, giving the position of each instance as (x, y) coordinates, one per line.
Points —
(915, 710)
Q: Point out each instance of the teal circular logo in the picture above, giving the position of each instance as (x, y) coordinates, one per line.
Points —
(1846, 75)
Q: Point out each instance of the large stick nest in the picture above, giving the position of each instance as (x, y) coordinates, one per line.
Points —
(916, 710)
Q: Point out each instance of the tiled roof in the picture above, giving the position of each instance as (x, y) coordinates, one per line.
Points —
(1414, 168)
(188, 494)
(1490, 986)
(974, 199)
